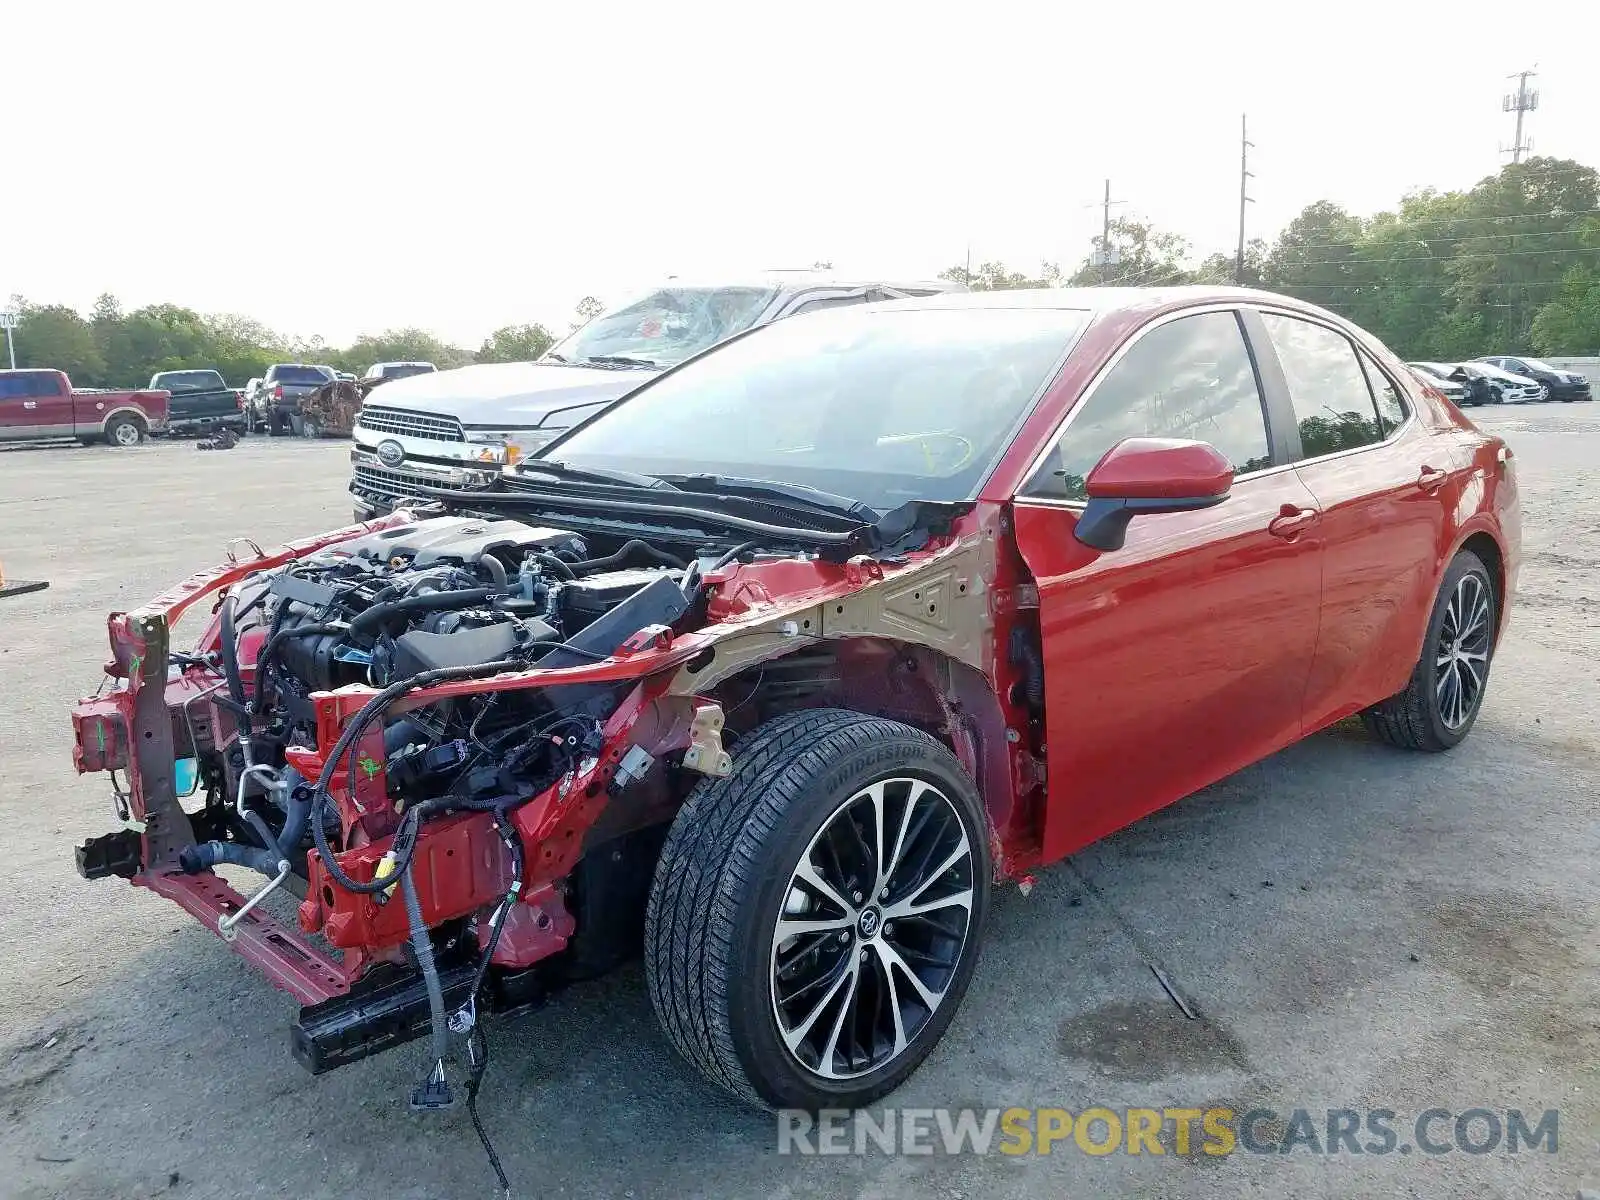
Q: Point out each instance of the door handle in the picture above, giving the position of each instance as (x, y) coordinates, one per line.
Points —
(29, 404)
(1431, 480)
(1291, 521)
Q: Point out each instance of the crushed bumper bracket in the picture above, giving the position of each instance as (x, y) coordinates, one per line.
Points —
(120, 853)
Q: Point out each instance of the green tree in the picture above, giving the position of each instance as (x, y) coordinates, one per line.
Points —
(400, 345)
(1140, 256)
(996, 277)
(515, 343)
(1570, 323)
(53, 335)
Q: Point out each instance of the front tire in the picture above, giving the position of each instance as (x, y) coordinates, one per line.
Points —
(815, 916)
(1441, 702)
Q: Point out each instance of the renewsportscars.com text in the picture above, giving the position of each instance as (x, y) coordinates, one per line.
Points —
(1214, 1131)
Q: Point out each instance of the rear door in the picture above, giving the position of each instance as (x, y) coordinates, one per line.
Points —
(1182, 656)
(1385, 489)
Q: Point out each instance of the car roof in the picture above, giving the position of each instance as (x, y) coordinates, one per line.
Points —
(789, 282)
(1105, 300)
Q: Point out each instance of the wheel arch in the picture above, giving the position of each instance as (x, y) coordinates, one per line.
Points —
(139, 416)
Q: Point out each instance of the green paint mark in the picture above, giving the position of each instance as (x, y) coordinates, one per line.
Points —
(100, 733)
(368, 766)
(134, 663)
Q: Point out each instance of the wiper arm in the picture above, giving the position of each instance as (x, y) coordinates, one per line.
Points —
(797, 494)
(555, 358)
(560, 470)
(618, 360)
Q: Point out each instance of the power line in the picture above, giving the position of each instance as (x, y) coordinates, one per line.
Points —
(1343, 262)
(1444, 237)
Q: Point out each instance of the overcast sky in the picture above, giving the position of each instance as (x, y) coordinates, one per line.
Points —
(337, 168)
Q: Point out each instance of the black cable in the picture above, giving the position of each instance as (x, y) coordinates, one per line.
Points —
(629, 549)
(279, 636)
(477, 1038)
(478, 1049)
(350, 738)
(230, 655)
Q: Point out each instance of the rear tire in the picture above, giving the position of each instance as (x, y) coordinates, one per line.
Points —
(763, 1013)
(274, 425)
(125, 431)
(1441, 702)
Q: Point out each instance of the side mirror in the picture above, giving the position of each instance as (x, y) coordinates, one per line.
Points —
(1149, 475)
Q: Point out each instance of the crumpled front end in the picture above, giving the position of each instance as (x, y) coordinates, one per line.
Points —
(412, 726)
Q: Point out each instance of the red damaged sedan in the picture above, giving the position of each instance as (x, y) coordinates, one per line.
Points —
(774, 670)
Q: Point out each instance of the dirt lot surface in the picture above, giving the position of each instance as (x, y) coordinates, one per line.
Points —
(1357, 927)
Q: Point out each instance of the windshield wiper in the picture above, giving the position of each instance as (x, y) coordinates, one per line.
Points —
(796, 494)
(556, 358)
(618, 360)
(560, 470)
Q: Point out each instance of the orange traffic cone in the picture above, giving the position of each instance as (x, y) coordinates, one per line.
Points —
(18, 587)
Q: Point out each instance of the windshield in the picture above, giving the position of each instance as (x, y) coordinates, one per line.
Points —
(405, 371)
(883, 405)
(296, 375)
(1537, 365)
(667, 326)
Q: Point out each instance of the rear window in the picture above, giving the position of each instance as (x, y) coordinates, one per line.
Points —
(188, 381)
(403, 372)
(24, 385)
(311, 375)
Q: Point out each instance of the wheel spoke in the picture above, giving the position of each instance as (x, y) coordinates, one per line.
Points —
(918, 788)
(892, 960)
(909, 905)
(801, 926)
(912, 908)
(846, 1012)
(893, 990)
(793, 1037)
(808, 874)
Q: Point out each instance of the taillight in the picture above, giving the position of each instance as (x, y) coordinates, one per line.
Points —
(277, 392)
(238, 398)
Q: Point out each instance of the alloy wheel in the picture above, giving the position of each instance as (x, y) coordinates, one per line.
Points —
(126, 434)
(1461, 662)
(872, 928)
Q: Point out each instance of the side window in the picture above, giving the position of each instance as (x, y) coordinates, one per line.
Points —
(1332, 403)
(1189, 378)
(1392, 409)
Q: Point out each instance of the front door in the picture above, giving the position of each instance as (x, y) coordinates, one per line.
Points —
(1184, 655)
(34, 404)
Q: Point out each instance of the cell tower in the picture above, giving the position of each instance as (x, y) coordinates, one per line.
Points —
(1523, 100)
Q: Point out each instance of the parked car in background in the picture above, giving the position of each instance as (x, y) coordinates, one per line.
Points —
(275, 407)
(384, 372)
(457, 429)
(1566, 386)
(1451, 381)
(1503, 386)
(201, 400)
(37, 405)
(790, 659)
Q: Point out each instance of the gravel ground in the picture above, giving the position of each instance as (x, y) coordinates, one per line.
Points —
(1356, 927)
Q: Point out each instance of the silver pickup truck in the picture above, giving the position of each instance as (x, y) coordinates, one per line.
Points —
(458, 429)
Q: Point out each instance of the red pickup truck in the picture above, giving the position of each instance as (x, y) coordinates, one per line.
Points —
(36, 405)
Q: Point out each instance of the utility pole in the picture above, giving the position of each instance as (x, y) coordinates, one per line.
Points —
(1244, 198)
(1106, 257)
(1523, 100)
